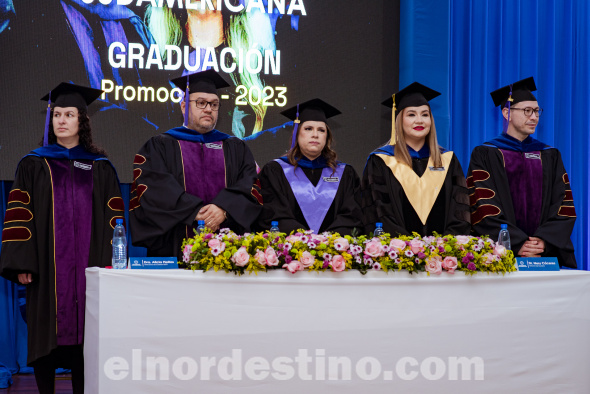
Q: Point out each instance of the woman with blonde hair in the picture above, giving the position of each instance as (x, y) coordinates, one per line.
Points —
(412, 184)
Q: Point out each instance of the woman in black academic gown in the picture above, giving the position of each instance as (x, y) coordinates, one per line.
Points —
(308, 188)
(412, 184)
(60, 217)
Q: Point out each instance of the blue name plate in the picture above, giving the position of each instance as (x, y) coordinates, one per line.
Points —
(153, 263)
(537, 264)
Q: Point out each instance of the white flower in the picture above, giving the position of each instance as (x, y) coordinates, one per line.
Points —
(428, 240)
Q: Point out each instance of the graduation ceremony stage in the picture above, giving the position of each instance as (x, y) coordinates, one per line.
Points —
(177, 331)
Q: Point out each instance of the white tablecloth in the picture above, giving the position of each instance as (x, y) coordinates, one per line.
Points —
(174, 331)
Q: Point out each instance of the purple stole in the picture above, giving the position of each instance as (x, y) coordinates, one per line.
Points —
(314, 201)
(525, 178)
(204, 170)
(72, 182)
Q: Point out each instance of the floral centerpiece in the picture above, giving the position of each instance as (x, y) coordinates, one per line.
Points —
(305, 251)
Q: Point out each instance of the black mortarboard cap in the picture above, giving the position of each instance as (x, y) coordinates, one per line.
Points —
(313, 110)
(519, 91)
(413, 95)
(207, 81)
(68, 95)
(316, 110)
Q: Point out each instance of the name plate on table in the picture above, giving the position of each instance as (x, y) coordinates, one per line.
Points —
(537, 264)
(153, 263)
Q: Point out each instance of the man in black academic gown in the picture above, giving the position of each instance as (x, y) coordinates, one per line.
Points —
(518, 180)
(192, 173)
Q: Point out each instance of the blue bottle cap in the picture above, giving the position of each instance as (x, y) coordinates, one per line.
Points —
(201, 222)
(379, 225)
(274, 224)
(504, 226)
(118, 221)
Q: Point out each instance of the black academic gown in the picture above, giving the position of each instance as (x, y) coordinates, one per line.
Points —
(385, 200)
(32, 192)
(281, 205)
(162, 212)
(491, 203)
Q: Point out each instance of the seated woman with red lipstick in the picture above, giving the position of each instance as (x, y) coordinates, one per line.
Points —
(412, 184)
(308, 189)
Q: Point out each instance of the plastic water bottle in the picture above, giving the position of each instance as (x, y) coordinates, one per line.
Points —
(504, 237)
(378, 229)
(201, 226)
(274, 227)
(119, 246)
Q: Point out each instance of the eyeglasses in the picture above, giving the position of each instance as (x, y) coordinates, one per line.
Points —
(200, 103)
(528, 111)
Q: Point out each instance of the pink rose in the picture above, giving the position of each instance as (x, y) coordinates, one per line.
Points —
(338, 263)
(463, 239)
(319, 238)
(499, 250)
(260, 257)
(341, 244)
(373, 249)
(489, 258)
(241, 257)
(397, 244)
(293, 238)
(440, 242)
(307, 259)
(271, 257)
(293, 266)
(433, 265)
(417, 246)
(450, 264)
(217, 244)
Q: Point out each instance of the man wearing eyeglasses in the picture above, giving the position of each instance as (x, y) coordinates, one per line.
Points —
(520, 181)
(192, 173)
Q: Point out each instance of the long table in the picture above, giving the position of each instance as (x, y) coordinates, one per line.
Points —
(176, 331)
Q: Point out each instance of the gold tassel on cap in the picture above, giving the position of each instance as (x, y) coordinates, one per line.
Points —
(392, 140)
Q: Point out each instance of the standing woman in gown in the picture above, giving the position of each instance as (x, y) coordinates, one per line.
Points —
(308, 188)
(412, 184)
(59, 220)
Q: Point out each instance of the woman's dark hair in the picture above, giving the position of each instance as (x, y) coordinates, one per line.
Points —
(84, 131)
(295, 154)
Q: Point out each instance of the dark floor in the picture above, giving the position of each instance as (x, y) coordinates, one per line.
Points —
(25, 383)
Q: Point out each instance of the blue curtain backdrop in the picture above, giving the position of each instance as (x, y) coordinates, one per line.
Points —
(465, 49)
